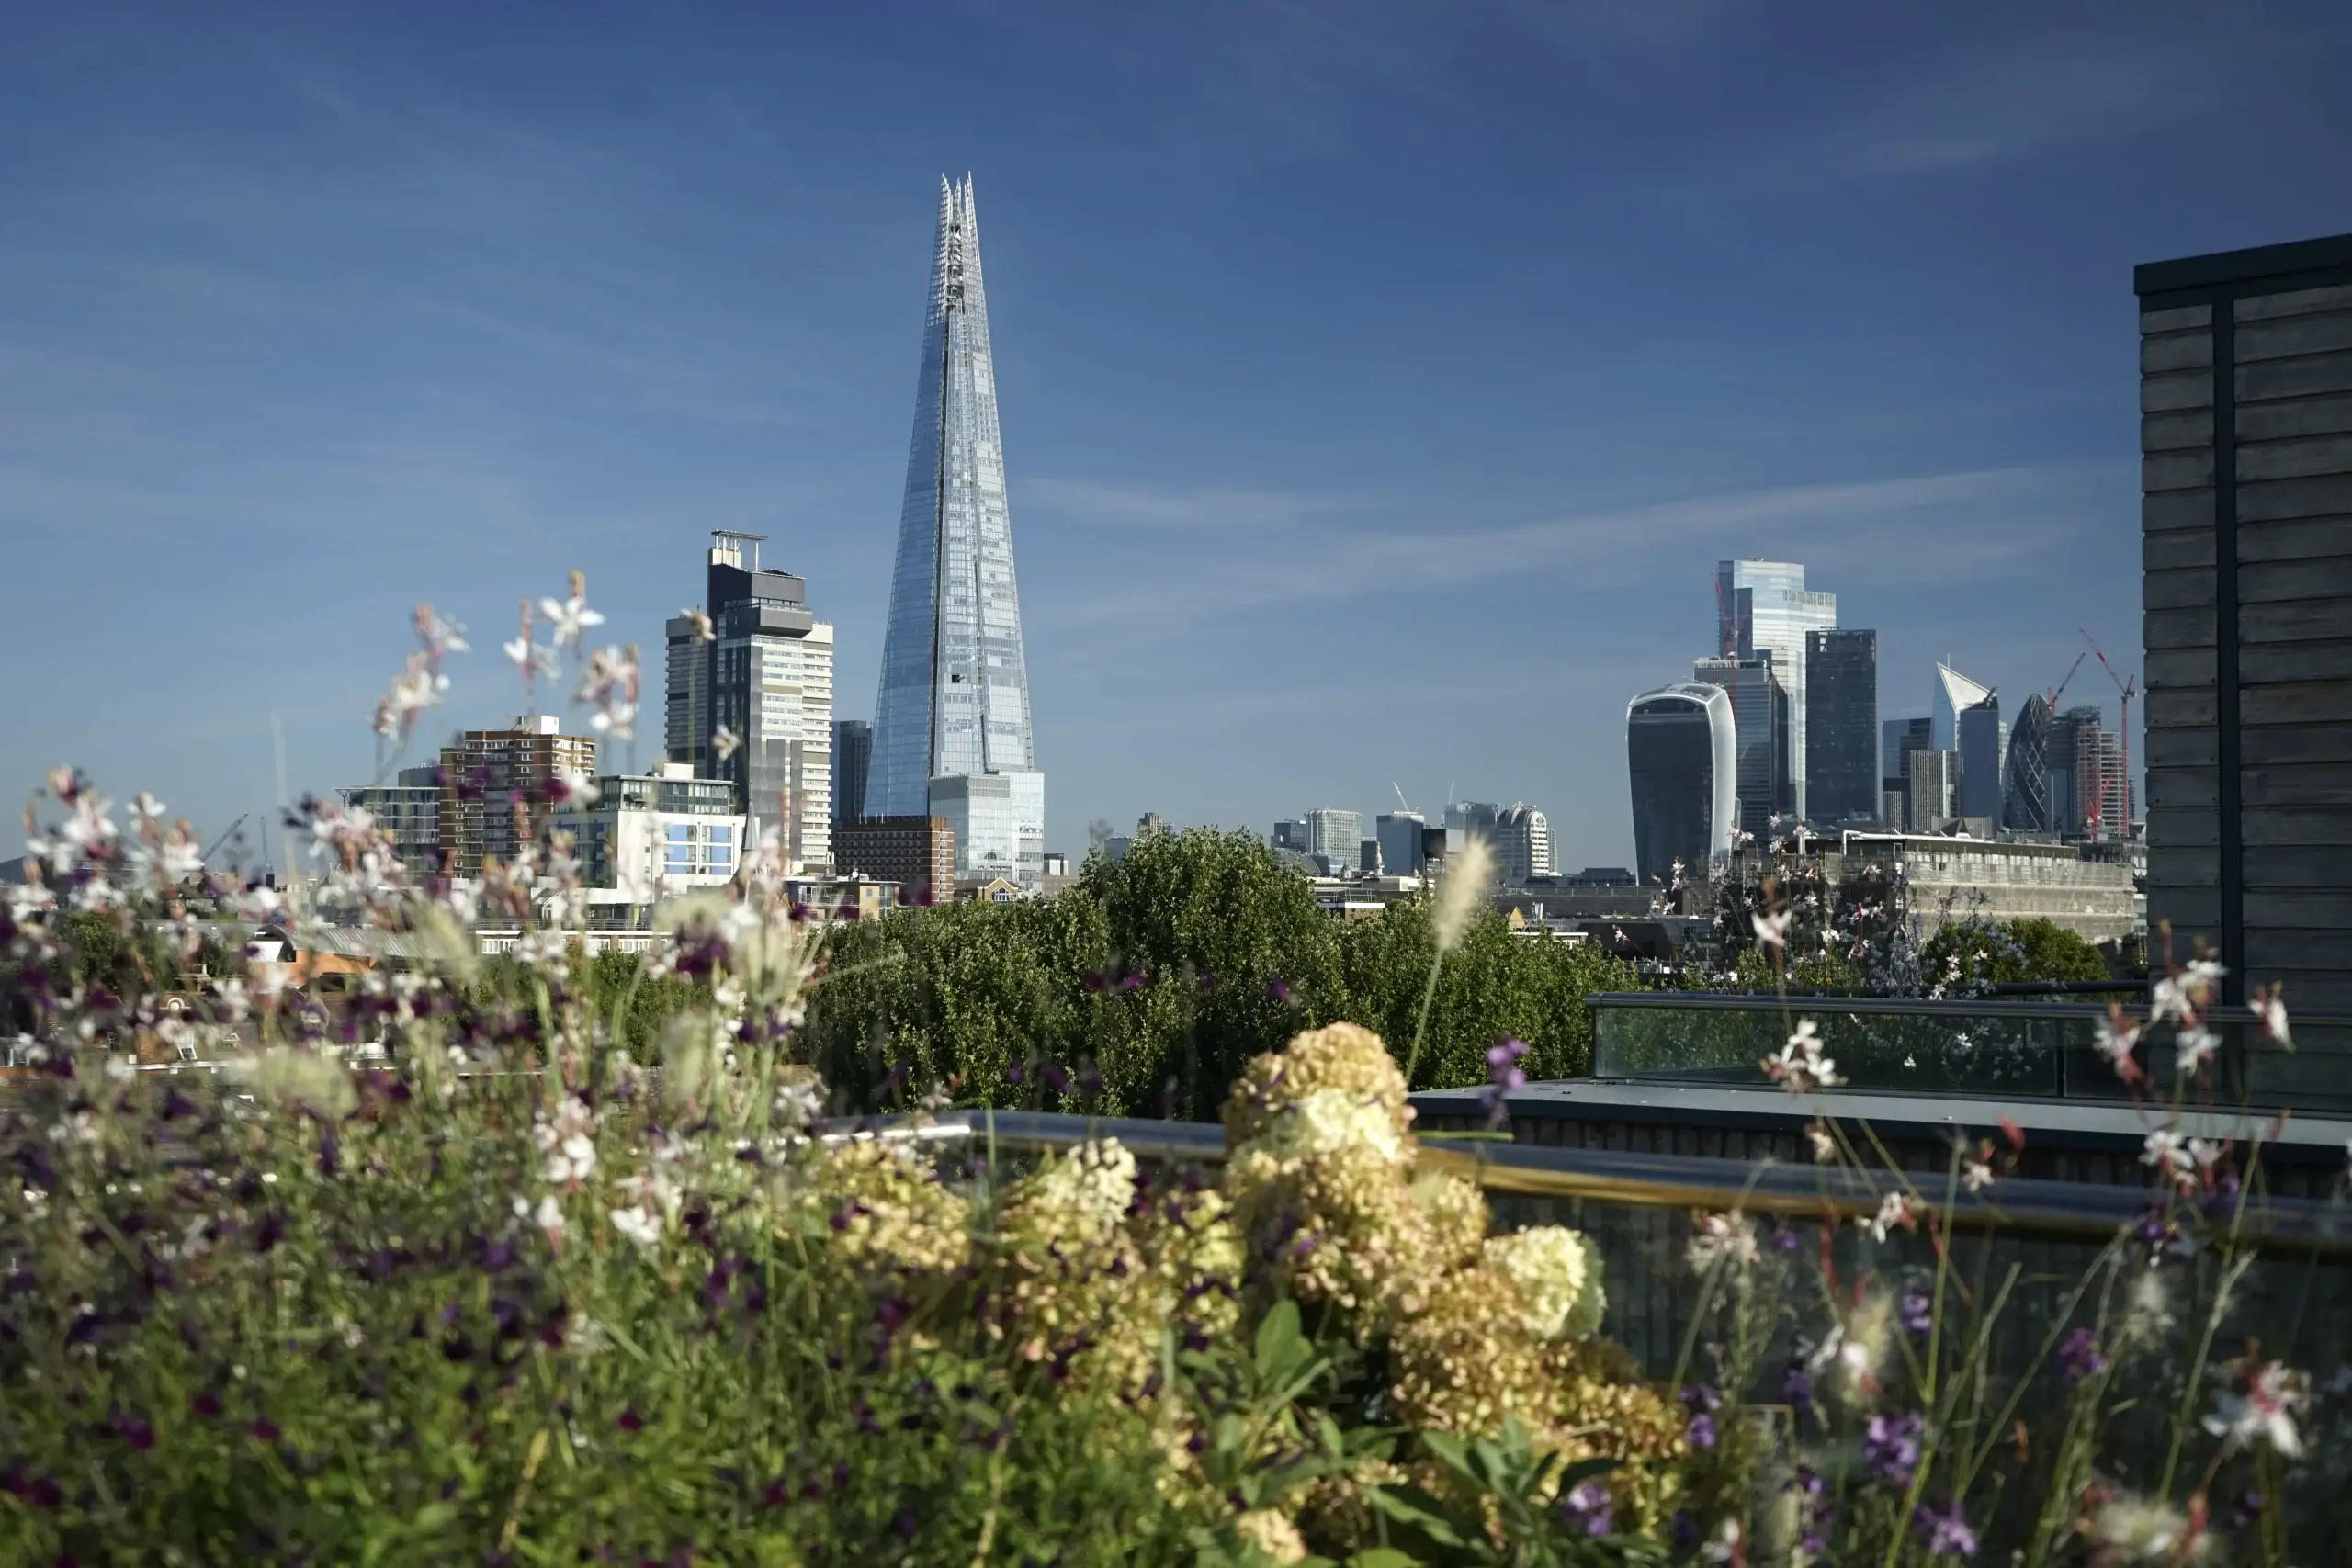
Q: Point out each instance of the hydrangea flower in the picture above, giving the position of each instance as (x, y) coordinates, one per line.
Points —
(1557, 1271)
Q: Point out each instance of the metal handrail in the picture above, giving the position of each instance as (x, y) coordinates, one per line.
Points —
(2030, 1207)
(1916, 1007)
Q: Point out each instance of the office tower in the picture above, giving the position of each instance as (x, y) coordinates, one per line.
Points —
(1763, 606)
(2025, 773)
(918, 853)
(1290, 834)
(496, 784)
(1899, 738)
(1682, 755)
(1400, 842)
(1336, 835)
(686, 692)
(407, 811)
(1983, 739)
(955, 691)
(1468, 817)
(853, 757)
(1368, 857)
(1761, 707)
(1841, 766)
(1928, 802)
(770, 687)
(1954, 693)
(1523, 843)
(2088, 800)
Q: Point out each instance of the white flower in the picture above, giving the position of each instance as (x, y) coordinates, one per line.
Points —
(578, 788)
(2264, 1412)
(1799, 1067)
(1772, 930)
(1825, 1147)
(2193, 1048)
(2117, 1039)
(1095, 1181)
(2164, 1148)
(568, 618)
(414, 690)
(439, 634)
(641, 1225)
(1975, 1175)
(1328, 1119)
(1894, 1212)
(547, 1216)
(2136, 1529)
(1727, 1544)
(1461, 891)
(723, 742)
(2270, 1006)
(147, 809)
(1723, 1238)
(619, 720)
(529, 658)
(1557, 1271)
(574, 1159)
(700, 618)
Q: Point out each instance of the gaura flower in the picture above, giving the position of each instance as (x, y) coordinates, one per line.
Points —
(2262, 1411)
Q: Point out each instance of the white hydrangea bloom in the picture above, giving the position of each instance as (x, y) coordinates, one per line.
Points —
(1330, 1120)
(1557, 1271)
(1096, 1179)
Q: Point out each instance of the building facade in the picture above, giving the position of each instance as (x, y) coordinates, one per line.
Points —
(954, 688)
(852, 762)
(1763, 607)
(1523, 843)
(916, 853)
(1929, 792)
(771, 689)
(1760, 709)
(1982, 740)
(648, 837)
(2026, 805)
(1683, 759)
(1399, 833)
(1841, 738)
(1954, 693)
(1336, 835)
(1954, 879)
(408, 811)
(999, 823)
(496, 785)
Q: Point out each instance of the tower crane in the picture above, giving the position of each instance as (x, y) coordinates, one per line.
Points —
(228, 833)
(2060, 689)
(2127, 688)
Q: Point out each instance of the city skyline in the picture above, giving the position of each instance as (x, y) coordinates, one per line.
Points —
(1303, 327)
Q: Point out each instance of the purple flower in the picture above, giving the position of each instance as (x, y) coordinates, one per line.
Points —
(2078, 1356)
(264, 1429)
(630, 1421)
(1503, 1079)
(1918, 1312)
(1947, 1530)
(1796, 1387)
(140, 1434)
(1784, 1236)
(1012, 1073)
(1278, 989)
(1586, 1508)
(1891, 1446)
(2245, 1509)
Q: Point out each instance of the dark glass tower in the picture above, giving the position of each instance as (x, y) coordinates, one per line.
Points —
(1841, 735)
(1682, 758)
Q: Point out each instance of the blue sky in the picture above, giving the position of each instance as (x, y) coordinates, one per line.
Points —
(1379, 381)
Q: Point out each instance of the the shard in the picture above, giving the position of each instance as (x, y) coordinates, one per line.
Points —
(952, 732)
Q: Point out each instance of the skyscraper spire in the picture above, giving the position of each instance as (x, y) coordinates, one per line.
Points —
(955, 691)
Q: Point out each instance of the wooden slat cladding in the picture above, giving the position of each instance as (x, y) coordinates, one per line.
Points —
(2247, 596)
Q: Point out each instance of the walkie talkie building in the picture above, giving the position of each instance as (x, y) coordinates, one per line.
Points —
(952, 726)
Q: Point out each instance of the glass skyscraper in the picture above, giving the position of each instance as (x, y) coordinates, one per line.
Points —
(1682, 760)
(1763, 606)
(1761, 722)
(955, 691)
(1842, 725)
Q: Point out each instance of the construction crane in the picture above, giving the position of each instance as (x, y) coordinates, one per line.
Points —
(2060, 689)
(225, 837)
(2127, 689)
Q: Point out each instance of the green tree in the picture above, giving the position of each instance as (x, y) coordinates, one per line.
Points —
(1996, 953)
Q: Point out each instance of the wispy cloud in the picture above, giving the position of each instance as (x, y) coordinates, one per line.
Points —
(1146, 507)
(1959, 523)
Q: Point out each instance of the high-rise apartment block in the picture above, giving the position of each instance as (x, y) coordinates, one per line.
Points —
(1682, 756)
(407, 811)
(1760, 709)
(1841, 735)
(954, 689)
(497, 785)
(1763, 607)
(1522, 843)
(648, 835)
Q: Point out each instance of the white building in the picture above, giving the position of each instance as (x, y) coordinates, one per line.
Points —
(999, 822)
(1763, 606)
(651, 836)
(1524, 843)
(1336, 835)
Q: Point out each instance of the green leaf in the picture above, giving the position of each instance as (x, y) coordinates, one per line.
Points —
(1281, 1347)
(1384, 1557)
(1450, 1452)
(1411, 1505)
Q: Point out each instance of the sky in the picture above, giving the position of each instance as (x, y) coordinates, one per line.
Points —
(1379, 381)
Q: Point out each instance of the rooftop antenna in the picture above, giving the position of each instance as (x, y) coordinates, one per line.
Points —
(733, 538)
